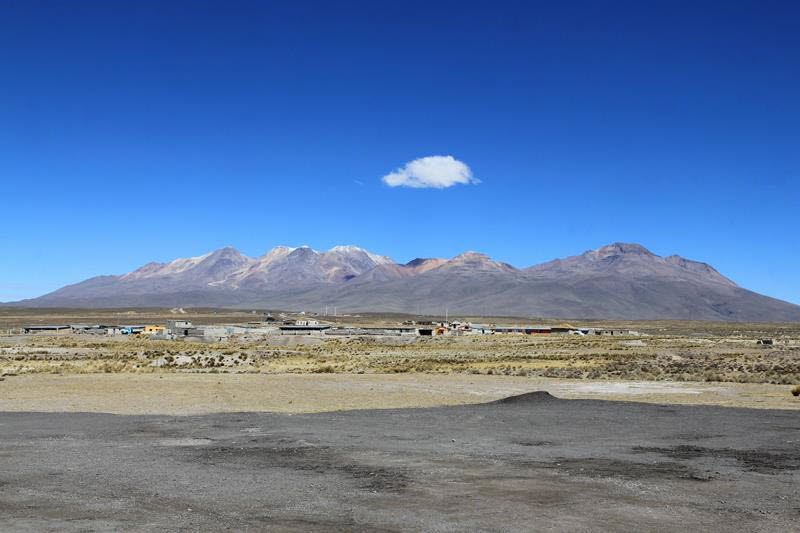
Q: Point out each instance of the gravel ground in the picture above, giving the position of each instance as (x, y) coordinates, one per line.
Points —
(531, 462)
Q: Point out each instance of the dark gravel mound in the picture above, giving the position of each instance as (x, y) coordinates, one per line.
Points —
(529, 398)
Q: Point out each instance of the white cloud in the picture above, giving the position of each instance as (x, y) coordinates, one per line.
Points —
(436, 171)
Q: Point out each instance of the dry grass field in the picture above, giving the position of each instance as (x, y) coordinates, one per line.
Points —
(729, 358)
(664, 352)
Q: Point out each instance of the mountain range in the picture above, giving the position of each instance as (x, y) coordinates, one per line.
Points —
(620, 280)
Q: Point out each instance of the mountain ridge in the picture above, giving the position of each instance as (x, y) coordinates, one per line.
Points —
(619, 280)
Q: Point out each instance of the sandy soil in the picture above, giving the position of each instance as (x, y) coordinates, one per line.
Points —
(180, 394)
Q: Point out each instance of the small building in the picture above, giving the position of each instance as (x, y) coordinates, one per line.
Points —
(179, 327)
(43, 329)
(131, 329)
(153, 330)
(178, 324)
(386, 331)
(525, 330)
(606, 331)
(299, 329)
(97, 329)
(92, 329)
(191, 332)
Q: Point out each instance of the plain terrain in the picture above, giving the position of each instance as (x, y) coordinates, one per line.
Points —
(529, 463)
(177, 393)
(665, 351)
(378, 433)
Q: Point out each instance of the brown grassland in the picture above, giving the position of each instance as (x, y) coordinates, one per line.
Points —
(673, 351)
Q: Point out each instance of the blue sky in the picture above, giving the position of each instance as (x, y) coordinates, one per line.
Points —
(140, 131)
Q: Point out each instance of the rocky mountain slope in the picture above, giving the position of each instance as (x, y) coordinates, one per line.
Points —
(624, 281)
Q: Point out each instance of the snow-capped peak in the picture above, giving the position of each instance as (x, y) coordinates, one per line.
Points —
(278, 251)
(349, 249)
(346, 248)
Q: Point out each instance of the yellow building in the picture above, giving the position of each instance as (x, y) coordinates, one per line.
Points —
(152, 330)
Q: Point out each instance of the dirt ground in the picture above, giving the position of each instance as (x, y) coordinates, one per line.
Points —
(529, 463)
(182, 394)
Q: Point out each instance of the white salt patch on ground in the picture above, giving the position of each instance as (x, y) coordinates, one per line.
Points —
(635, 387)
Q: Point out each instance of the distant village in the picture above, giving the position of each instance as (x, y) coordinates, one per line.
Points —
(269, 325)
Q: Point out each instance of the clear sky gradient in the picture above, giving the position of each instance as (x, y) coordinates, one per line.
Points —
(141, 131)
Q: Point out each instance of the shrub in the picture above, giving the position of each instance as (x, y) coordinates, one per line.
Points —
(796, 390)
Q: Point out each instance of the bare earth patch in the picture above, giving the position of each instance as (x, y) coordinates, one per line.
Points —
(181, 394)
